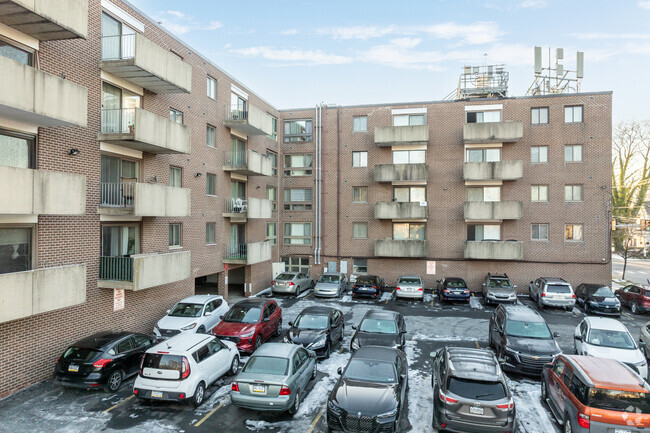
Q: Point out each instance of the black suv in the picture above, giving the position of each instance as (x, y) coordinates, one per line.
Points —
(368, 285)
(498, 288)
(522, 340)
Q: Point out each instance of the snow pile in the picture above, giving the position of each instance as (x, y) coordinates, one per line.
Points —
(475, 303)
(532, 415)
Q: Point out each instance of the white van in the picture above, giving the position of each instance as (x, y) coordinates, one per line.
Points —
(182, 367)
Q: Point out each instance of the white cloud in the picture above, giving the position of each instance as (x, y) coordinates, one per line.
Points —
(596, 35)
(358, 32)
(179, 23)
(533, 4)
(289, 32)
(213, 25)
(644, 4)
(294, 56)
(177, 14)
(481, 32)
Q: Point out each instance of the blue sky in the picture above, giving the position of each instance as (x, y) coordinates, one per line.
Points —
(297, 53)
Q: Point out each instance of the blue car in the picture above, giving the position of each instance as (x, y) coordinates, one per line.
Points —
(452, 289)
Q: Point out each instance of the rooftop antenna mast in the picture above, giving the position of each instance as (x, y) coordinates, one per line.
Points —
(556, 79)
(487, 81)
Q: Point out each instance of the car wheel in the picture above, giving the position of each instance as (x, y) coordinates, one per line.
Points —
(314, 371)
(567, 308)
(544, 392)
(540, 306)
(114, 381)
(297, 292)
(258, 342)
(201, 330)
(296, 404)
(634, 307)
(328, 350)
(568, 428)
(234, 366)
(199, 395)
(278, 329)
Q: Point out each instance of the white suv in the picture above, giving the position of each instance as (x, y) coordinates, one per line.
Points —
(181, 368)
(199, 313)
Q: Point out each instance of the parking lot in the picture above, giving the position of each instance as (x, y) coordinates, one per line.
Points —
(430, 326)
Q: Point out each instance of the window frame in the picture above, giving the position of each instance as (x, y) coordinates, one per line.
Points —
(174, 115)
(409, 152)
(539, 188)
(410, 118)
(410, 193)
(572, 147)
(32, 146)
(484, 153)
(172, 169)
(360, 159)
(573, 116)
(573, 187)
(301, 138)
(274, 237)
(289, 170)
(20, 47)
(274, 161)
(290, 264)
(539, 109)
(212, 144)
(573, 230)
(475, 114)
(532, 232)
(274, 202)
(357, 191)
(538, 148)
(409, 224)
(214, 233)
(211, 94)
(295, 205)
(31, 255)
(364, 223)
(211, 180)
(172, 235)
(286, 237)
(356, 268)
(354, 124)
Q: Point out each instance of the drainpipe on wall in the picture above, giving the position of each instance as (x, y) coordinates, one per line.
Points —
(316, 185)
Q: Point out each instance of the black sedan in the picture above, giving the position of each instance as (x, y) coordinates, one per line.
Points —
(597, 299)
(368, 285)
(380, 328)
(317, 329)
(370, 395)
(102, 360)
(452, 289)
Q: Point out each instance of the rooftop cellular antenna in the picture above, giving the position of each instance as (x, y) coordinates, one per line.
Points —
(487, 81)
(555, 78)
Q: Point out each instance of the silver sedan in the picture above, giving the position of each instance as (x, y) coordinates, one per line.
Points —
(292, 282)
(331, 284)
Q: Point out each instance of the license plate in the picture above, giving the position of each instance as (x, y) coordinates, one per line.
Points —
(618, 430)
(259, 388)
(156, 394)
(73, 368)
(476, 410)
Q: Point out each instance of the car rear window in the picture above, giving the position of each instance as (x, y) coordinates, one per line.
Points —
(409, 281)
(622, 401)
(266, 365)
(329, 279)
(558, 288)
(455, 283)
(477, 390)
(80, 354)
(646, 293)
(365, 280)
(163, 362)
(285, 277)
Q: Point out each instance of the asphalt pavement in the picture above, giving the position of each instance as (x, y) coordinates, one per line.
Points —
(637, 270)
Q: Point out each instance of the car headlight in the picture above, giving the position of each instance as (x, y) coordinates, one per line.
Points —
(333, 407)
(318, 343)
(355, 344)
(641, 363)
(248, 334)
(513, 295)
(593, 303)
(188, 327)
(389, 414)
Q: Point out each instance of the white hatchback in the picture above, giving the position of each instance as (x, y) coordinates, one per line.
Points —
(198, 313)
(181, 368)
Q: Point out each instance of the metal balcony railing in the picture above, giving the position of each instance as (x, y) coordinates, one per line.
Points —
(235, 251)
(118, 47)
(117, 194)
(118, 120)
(236, 112)
(235, 205)
(116, 268)
(235, 159)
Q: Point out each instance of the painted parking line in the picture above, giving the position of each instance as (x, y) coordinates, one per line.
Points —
(627, 315)
(391, 297)
(209, 414)
(341, 350)
(119, 403)
(478, 346)
(315, 421)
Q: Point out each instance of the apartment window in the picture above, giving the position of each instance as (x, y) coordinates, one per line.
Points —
(212, 88)
(359, 159)
(572, 192)
(360, 123)
(274, 129)
(117, 181)
(210, 184)
(573, 232)
(17, 150)
(484, 194)
(297, 130)
(408, 231)
(272, 233)
(118, 39)
(298, 165)
(176, 116)
(274, 161)
(539, 115)
(409, 156)
(573, 114)
(118, 109)
(360, 194)
(539, 154)
(272, 195)
(360, 266)
(484, 116)
(483, 232)
(297, 198)
(210, 136)
(409, 193)
(359, 230)
(16, 54)
(174, 235)
(297, 233)
(15, 249)
(296, 264)
(175, 177)
(539, 232)
(408, 120)
(120, 240)
(573, 153)
(209, 233)
(539, 193)
(483, 155)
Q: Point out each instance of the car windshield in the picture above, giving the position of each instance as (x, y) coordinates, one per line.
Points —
(239, 314)
(499, 283)
(609, 338)
(378, 326)
(186, 310)
(516, 328)
(365, 280)
(329, 279)
(605, 292)
(266, 365)
(558, 288)
(367, 370)
(308, 321)
(477, 390)
(80, 354)
(285, 277)
(409, 280)
(456, 283)
(622, 401)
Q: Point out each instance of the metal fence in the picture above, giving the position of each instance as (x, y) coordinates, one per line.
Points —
(118, 120)
(236, 112)
(116, 268)
(117, 194)
(236, 251)
(235, 159)
(118, 47)
(235, 205)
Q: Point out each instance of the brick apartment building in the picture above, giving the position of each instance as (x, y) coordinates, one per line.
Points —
(129, 161)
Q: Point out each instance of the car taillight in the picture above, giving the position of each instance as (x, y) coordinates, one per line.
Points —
(419, 289)
(447, 291)
(272, 282)
(506, 406)
(135, 391)
(285, 390)
(444, 398)
(235, 387)
(58, 359)
(185, 371)
(466, 291)
(573, 296)
(399, 288)
(101, 363)
(141, 362)
(543, 295)
(291, 284)
(583, 420)
(374, 287)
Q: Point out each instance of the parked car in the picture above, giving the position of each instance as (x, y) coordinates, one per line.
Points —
(644, 338)
(522, 339)
(102, 360)
(552, 292)
(470, 390)
(317, 329)
(597, 299)
(452, 289)
(181, 368)
(410, 286)
(498, 288)
(608, 338)
(587, 394)
(198, 313)
(368, 285)
(331, 284)
(370, 395)
(291, 282)
(635, 297)
(250, 322)
(380, 328)
(274, 378)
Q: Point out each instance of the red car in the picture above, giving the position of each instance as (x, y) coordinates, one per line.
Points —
(249, 323)
(635, 297)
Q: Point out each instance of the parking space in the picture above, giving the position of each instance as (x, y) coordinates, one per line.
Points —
(430, 326)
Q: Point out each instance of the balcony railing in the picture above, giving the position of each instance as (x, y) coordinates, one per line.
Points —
(118, 120)
(118, 47)
(116, 268)
(117, 194)
(234, 159)
(235, 205)
(235, 112)
(236, 252)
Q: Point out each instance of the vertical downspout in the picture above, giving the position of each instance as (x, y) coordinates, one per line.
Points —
(320, 181)
(338, 183)
(316, 186)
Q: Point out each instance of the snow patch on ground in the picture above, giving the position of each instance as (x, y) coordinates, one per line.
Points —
(386, 296)
(420, 393)
(264, 292)
(214, 400)
(532, 416)
(425, 328)
(475, 302)
(303, 294)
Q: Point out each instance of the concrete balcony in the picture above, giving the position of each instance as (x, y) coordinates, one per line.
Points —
(401, 173)
(142, 271)
(144, 200)
(239, 209)
(41, 192)
(247, 254)
(248, 163)
(140, 61)
(401, 135)
(401, 248)
(493, 210)
(249, 121)
(32, 96)
(494, 132)
(494, 250)
(24, 294)
(46, 20)
(401, 211)
(139, 129)
(499, 170)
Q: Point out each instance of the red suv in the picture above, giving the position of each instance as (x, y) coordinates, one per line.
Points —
(635, 297)
(249, 323)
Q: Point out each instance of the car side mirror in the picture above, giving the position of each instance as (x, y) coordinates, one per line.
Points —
(434, 353)
(556, 335)
(266, 319)
(221, 317)
(208, 313)
(312, 354)
(290, 323)
(354, 326)
(403, 376)
(577, 337)
(531, 282)
(169, 311)
(339, 370)
(514, 286)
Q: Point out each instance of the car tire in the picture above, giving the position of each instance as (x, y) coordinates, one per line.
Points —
(201, 330)
(540, 306)
(568, 308)
(634, 307)
(568, 428)
(297, 291)
(234, 366)
(258, 343)
(544, 392)
(278, 329)
(296, 404)
(645, 351)
(114, 381)
(199, 395)
(328, 349)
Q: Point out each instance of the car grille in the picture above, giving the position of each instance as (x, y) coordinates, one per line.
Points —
(358, 424)
(169, 332)
(233, 339)
(530, 361)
